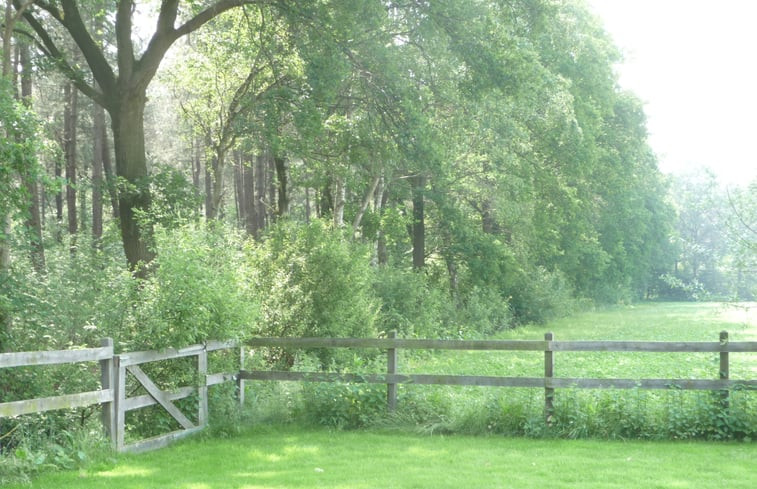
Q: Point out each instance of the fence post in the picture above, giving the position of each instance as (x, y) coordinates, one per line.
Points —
(119, 399)
(240, 381)
(549, 370)
(202, 387)
(391, 369)
(724, 374)
(107, 383)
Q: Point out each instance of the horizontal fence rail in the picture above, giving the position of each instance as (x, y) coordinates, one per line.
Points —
(509, 345)
(549, 346)
(104, 396)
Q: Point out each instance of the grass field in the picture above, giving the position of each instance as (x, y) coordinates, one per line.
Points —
(297, 458)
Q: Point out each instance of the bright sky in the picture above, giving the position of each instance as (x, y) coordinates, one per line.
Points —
(694, 65)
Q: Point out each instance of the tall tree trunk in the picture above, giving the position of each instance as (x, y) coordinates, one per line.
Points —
(260, 189)
(239, 199)
(248, 177)
(419, 225)
(110, 178)
(98, 182)
(70, 113)
(340, 197)
(58, 172)
(127, 118)
(281, 177)
(34, 221)
(307, 205)
(369, 196)
(271, 181)
(217, 187)
(382, 254)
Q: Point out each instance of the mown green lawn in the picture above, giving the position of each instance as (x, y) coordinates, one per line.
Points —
(302, 458)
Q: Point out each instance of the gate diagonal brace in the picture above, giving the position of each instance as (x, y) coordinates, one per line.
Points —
(160, 396)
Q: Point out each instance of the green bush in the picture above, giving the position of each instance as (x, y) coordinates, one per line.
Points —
(311, 281)
(410, 305)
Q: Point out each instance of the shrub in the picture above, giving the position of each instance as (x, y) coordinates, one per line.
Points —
(311, 281)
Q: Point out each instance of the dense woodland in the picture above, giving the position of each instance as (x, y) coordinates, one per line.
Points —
(181, 170)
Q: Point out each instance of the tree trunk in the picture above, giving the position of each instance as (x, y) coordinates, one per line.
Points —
(197, 149)
(58, 171)
(110, 178)
(281, 177)
(260, 187)
(70, 113)
(239, 199)
(217, 185)
(340, 195)
(127, 118)
(307, 205)
(419, 225)
(271, 181)
(34, 221)
(248, 176)
(98, 182)
(369, 196)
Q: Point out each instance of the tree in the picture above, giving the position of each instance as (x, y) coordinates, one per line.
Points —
(121, 90)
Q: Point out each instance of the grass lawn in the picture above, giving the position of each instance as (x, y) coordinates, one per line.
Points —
(294, 458)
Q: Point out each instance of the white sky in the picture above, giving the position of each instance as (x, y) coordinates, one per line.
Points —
(694, 65)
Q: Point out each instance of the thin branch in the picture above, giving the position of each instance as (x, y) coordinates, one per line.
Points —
(51, 50)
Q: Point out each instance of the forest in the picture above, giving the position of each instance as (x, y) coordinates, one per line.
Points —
(178, 171)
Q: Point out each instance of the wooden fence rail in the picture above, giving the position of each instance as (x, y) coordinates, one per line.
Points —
(115, 368)
(549, 382)
(112, 395)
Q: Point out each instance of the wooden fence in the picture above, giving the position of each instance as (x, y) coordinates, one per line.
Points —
(549, 347)
(116, 369)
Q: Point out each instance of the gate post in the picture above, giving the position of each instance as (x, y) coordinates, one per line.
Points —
(119, 399)
(202, 387)
(107, 382)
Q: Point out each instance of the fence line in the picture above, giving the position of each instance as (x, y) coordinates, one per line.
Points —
(115, 368)
(549, 346)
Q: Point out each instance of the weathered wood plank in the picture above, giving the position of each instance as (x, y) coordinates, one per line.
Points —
(138, 402)
(215, 379)
(138, 357)
(67, 401)
(108, 381)
(202, 390)
(655, 346)
(214, 345)
(52, 357)
(160, 396)
(409, 344)
(160, 441)
(421, 379)
(489, 381)
(674, 384)
(508, 345)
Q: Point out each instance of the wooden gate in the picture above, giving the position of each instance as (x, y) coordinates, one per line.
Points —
(128, 364)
